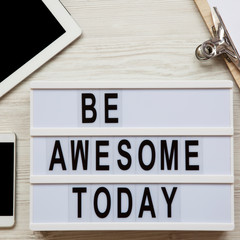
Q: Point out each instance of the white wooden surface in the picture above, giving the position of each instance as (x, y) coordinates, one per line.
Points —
(122, 40)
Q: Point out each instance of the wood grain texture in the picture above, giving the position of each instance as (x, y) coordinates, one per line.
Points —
(122, 40)
(206, 14)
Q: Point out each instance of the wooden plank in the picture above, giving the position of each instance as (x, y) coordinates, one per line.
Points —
(122, 40)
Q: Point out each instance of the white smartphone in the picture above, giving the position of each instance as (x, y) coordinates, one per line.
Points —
(7, 179)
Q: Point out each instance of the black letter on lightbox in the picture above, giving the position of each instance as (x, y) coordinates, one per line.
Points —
(169, 159)
(84, 154)
(169, 200)
(89, 107)
(140, 157)
(126, 191)
(144, 206)
(125, 154)
(54, 160)
(79, 191)
(109, 107)
(108, 207)
(99, 155)
(191, 154)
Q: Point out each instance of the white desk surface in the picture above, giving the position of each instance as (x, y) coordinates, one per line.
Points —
(122, 40)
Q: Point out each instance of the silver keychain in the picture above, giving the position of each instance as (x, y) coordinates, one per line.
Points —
(221, 43)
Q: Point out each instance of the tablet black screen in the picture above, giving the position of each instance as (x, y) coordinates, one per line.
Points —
(27, 27)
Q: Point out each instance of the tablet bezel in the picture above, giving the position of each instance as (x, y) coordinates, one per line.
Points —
(72, 31)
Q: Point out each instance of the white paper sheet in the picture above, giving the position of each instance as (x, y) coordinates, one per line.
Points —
(229, 11)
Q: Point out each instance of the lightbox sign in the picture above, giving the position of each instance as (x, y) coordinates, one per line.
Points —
(132, 156)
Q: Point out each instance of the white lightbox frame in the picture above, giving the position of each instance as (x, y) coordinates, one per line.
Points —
(118, 131)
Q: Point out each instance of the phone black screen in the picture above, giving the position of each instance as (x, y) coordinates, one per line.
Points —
(6, 178)
(27, 27)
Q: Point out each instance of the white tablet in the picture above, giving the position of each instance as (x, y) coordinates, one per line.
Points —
(32, 31)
